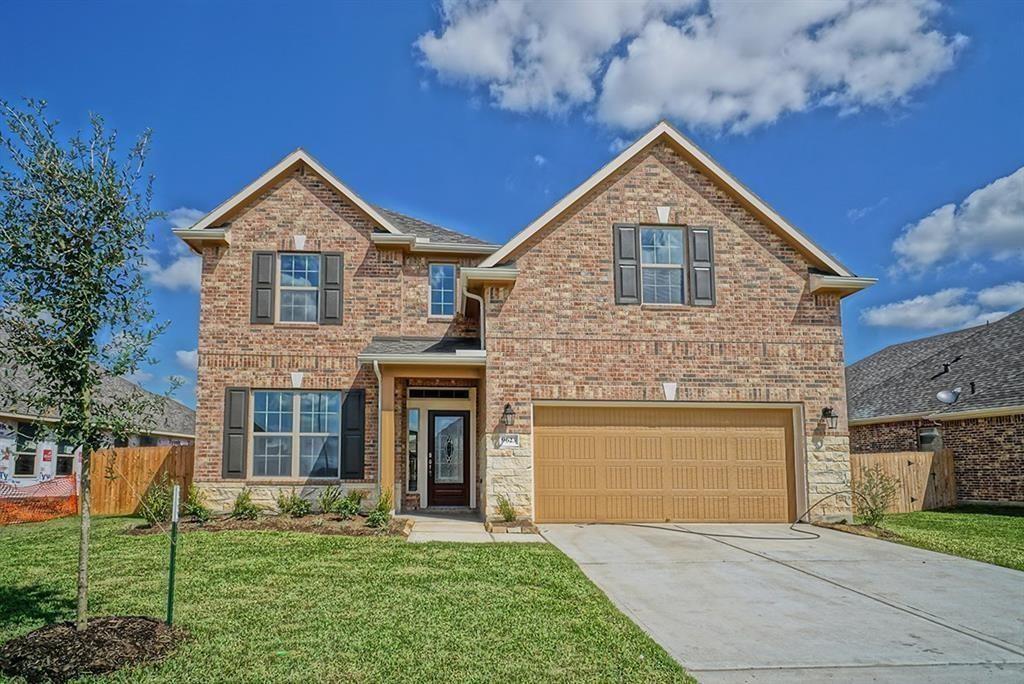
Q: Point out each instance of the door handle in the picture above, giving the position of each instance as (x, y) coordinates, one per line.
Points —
(430, 461)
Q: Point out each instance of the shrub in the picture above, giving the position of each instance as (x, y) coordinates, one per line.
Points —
(329, 499)
(506, 509)
(155, 504)
(380, 515)
(245, 508)
(294, 505)
(350, 506)
(873, 494)
(195, 505)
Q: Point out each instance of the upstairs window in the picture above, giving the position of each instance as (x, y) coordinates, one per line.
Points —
(299, 288)
(663, 266)
(442, 290)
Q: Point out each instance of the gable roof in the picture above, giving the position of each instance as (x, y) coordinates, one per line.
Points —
(703, 162)
(902, 380)
(390, 221)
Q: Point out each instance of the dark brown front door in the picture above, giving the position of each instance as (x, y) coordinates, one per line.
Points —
(448, 458)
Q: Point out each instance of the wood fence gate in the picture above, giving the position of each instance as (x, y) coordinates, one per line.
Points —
(926, 478)
(120, 477)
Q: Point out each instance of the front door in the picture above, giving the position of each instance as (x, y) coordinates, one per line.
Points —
(448, 458)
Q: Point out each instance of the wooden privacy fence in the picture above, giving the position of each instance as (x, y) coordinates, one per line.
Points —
(121, 476)
(926, 478)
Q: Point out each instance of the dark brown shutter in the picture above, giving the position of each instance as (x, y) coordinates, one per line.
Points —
(627, 263)
(332, 278)
(352, 437)
(702, 267)
(236, 422)
(263, 267)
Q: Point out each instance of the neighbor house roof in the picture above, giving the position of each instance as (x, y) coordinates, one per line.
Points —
(901, 381)
(702, 161)
(215, 225)
(172, 417)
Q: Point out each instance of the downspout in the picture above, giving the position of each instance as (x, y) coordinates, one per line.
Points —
(483, 330)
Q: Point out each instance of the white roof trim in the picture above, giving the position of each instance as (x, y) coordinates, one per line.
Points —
(898, 418)
(848, 284)
(664, 128)
(476, 357)
(296, 156)
(420, 244)
(979, 413)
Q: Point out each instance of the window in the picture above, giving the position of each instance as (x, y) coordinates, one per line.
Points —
(442, 289)
(929, 439)
(414, 447)
(148, 441)
(25, 450)
(438, 393)
(299, 288)
(296, 433)
(662, 265)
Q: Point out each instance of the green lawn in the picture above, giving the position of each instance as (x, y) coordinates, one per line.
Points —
(269, 606)
(991, 534)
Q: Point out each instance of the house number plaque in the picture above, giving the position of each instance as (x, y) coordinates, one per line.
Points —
(508, 441)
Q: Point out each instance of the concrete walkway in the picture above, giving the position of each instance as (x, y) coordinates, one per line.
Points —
(458, 526)
(788, 608)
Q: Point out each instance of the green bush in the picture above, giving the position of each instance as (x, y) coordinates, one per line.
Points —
(380, 515)
(294, 505)
(873, 494)
(329, 499)
(506, 509)
(350, 506)
(155, 505)
(245, 508)
(195, 505)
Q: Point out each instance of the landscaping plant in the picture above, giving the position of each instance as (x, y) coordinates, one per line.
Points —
(293, 504)
(874, 493)
(155, 504)
(350, 506)
(506, 509)
(76, 310)
(195, 505)
(380, 515)
(329, 499)
(245, 508)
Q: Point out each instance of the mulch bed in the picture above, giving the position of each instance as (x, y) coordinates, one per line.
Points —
(313, 523)
(59, 653)
(862, 530)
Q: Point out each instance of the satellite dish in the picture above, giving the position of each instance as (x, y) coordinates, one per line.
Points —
(949, 396)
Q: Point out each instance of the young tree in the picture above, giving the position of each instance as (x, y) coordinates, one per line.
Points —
(74, 310)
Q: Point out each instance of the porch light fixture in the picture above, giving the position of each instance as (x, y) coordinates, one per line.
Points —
(508, 416)
(831, 417)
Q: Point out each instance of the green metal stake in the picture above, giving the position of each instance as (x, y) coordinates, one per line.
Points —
(174, 547)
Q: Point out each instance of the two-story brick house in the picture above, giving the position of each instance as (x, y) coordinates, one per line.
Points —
(659, 345)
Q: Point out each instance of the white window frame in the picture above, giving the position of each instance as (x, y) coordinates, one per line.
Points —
(295, 435)
(34, 453)
(279, 287)
(681, 267)
(430, 290)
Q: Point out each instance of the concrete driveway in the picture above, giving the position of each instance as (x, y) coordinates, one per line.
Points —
(788, 608)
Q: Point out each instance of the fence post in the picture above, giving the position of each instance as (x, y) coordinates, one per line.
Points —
(174, 545)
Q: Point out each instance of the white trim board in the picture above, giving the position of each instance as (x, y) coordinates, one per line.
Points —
(702, 159)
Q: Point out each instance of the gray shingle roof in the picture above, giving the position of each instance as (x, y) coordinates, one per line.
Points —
(171, 416)
(904, 378)
(420, 345)
(423, 229)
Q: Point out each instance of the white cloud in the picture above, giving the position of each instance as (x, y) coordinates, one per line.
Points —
(617, 145)
(138, 377)
(986, 317)
(540, 160)
(188, 358)
(989, 222)
(857, 214)
(944, 309)
(182, 272)
(1009, 295)
(723, 64)
(184, 217)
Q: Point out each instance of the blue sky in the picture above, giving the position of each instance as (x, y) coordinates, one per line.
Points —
(480, 117)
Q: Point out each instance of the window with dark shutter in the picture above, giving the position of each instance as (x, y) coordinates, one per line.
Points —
(627, 263)
(332, 278)
(702, 267)
(264, 264)
(236, 419)
(352, 437)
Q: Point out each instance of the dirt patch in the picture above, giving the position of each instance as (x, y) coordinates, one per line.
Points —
(314, 523)
(862, 530)
(59, 653)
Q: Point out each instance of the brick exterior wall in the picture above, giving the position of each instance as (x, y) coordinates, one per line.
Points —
(988, 453)
(558, 333)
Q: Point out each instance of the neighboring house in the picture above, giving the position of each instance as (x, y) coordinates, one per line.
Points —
(29, 456)
(894, 404)
(660, 344)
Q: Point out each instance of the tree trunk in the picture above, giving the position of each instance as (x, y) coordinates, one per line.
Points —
(82, 617)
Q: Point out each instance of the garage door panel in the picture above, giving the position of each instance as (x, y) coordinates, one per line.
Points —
(652, 464)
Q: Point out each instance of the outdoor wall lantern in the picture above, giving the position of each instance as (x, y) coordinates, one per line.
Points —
(508, 416)
(831, 417)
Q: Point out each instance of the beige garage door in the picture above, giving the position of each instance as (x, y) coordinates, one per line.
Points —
(630, 464)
